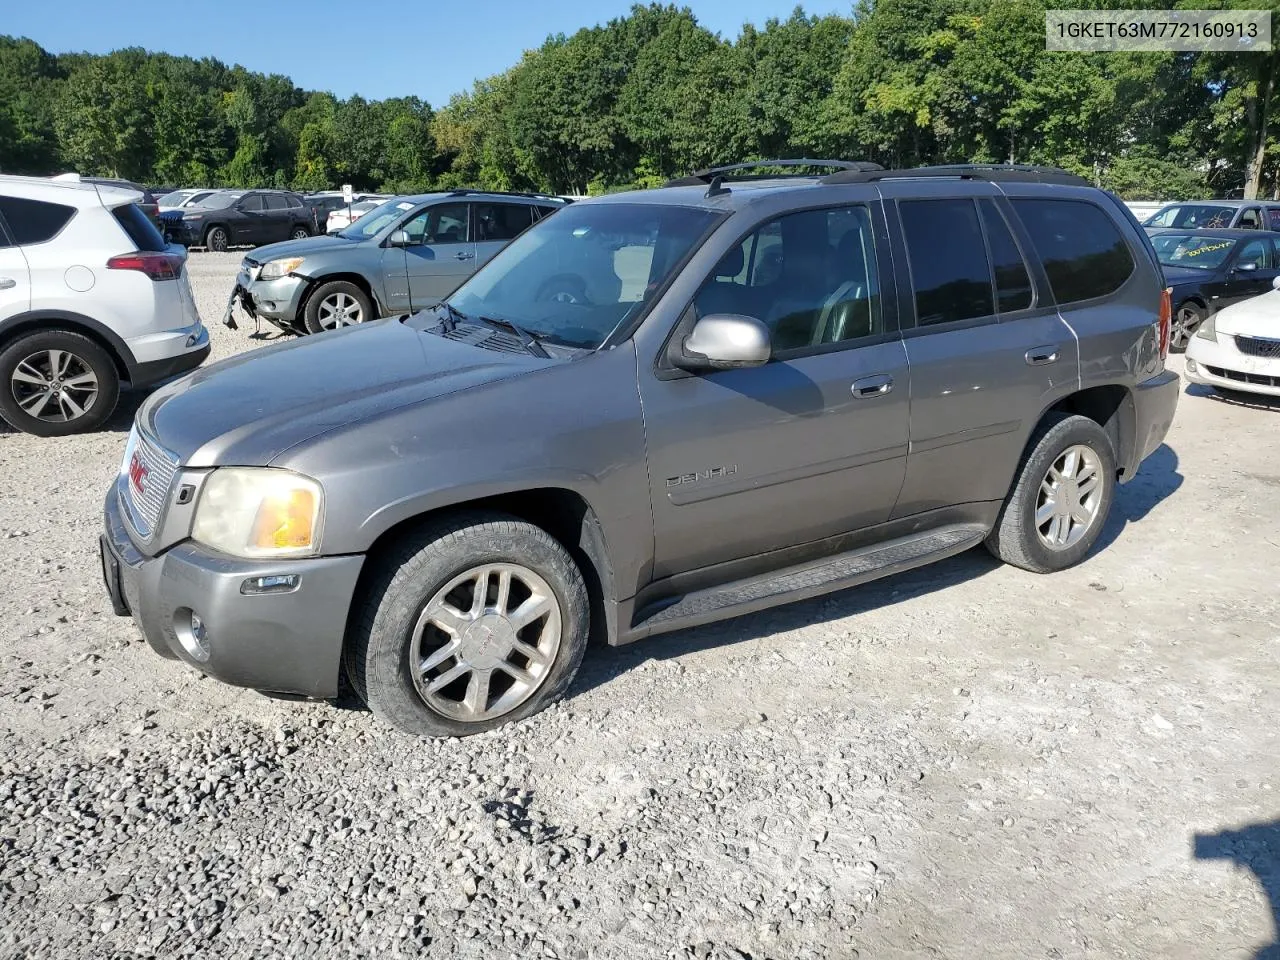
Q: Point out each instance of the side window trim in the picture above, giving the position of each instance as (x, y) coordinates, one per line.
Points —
(1127, 242)
(1018, 245)
(907, 293)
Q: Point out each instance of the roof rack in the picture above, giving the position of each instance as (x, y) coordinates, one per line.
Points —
(467, 191)
(994, 172)
(699, 177)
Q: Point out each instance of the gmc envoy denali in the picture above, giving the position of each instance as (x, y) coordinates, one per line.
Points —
(650, 411)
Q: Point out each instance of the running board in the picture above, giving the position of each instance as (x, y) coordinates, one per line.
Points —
(807, 580)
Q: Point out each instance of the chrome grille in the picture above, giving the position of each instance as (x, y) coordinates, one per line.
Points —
(1258, 347)
(144, 508)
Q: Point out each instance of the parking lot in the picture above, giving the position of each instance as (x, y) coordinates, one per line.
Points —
(963, 761)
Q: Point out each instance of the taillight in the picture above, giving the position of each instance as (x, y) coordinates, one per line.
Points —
(1166, 320)
(157, 266)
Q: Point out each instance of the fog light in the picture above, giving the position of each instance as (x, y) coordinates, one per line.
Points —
(192, 634)
(278, 583)
(1191, 365)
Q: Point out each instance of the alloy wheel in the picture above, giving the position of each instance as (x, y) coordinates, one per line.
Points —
(339, 310)
(1184, 325)
(1069, 497)
(54, 385)
(485, 642)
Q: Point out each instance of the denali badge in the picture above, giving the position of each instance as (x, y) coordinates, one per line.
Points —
(711, 473)
(138, 474)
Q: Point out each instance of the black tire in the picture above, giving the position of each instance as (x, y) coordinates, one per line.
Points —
(1015, 538)
(311, 314)
(1186, 321)
(402, 583)
(86, 357)
(299, 233)
(217, 239)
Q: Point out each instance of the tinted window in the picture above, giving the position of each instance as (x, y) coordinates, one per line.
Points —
(810, 276)
(501, 221)
(545, 211)
(1083, 253)
(142, 232)
(441, 223)
(294, 202)
(276, 201)
(1273, 217)
(1013, 284)
(949, 269)
(34, 221)
(252, 202)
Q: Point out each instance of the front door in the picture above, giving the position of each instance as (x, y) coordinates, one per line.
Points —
(813, 443)
(440, 254)
(1249, 272)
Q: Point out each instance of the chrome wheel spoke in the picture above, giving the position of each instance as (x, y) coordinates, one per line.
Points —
(83, 381)
(517, 674)
(504, 591)
(57, 363)
(437, 684)
(531, 653)
(439, 657)
(65, 401)
(26, 373)
(529, 611)
(477, 696)
(1086, 487)
(445, 617)
(36, 403)
(1068, 504)
(1046, 512)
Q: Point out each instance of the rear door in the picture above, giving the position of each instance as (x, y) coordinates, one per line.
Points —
(248, 222)
(279, 217)
(496, 225)
(15, 277)
(984, 342)
(440, 254)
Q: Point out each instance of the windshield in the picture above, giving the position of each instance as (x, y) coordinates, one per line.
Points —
(219, 200)
(575, 277)
(1192, 215)
(174, 199)
(1192, 250)
(378, 218)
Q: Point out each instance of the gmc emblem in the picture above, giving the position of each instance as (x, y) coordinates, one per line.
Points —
(138, 474)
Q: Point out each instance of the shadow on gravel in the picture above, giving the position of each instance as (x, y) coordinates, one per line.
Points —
(603, 664)
(1234, 398)
(1157, 480)
(1255, 848)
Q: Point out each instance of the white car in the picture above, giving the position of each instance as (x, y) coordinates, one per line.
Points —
(91, 298)
(340, 219)
(181, 199)
(1238, 348)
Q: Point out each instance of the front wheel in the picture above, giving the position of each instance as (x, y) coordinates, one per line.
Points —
(473, 622)
(56, 382)
(1060, 502)
(338, 303)
(1186, 321)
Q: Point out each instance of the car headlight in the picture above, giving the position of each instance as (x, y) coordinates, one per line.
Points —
(1208, 330)
(259, 512)
(275, 269)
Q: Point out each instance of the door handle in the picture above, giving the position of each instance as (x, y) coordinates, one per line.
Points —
(876, 386)
(1038, 356)
(7, 283)
(463, 256)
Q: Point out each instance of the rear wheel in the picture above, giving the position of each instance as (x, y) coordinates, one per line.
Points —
(1186, 321)
(216, 239)
(55, 382)
(338, 303)
(1061, 500)
(299, 233)
(473, 622)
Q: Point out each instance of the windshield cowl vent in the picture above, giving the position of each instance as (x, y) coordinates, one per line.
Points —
(487, 337)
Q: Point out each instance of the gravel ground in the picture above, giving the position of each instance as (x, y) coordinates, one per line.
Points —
(967, 761)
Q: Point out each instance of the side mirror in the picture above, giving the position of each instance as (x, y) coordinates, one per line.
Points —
(1248, 266)
(725, 341)
(399, 238)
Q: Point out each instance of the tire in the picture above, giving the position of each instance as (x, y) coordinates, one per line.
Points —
(217, 240)
(85, 376)
(1186, 321)
(1016, 538)
(299, 233)
(338, 303)
(401, 592)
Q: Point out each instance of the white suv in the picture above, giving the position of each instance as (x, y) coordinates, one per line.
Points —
(91, 297)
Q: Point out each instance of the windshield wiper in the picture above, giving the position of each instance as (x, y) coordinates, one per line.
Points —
(452, 316)
(527, 340)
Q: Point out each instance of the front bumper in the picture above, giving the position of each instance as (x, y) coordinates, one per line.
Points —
(1154, 403)
(278, 642)
(276, 300)
(1216, 363)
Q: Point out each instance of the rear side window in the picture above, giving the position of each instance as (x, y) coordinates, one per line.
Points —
(294, 202)
(34, 221)
(142, 232)
(252, 202)
(1013, 284)
(545, 211)
(501, 221)
(276, 202)
(949, 270)
(1273, 215)
(1083, 253)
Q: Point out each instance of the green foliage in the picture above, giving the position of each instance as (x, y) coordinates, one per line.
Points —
(654, 94)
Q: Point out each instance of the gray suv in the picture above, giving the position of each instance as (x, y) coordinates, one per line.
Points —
(650, 411)
(397, 258)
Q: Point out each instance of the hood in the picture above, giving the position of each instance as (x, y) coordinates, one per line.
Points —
(296, 248)
(249, 409)
(1256, 317)
(1171, 274)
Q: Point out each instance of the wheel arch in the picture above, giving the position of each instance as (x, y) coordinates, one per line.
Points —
(563, 513)
(1111, 407)
(315, 283)
(37, 320)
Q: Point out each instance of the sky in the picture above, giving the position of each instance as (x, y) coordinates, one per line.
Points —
(375, 48)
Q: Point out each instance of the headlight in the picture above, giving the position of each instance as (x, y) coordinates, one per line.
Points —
(259, 512)
(1209, 329)
(275, 269)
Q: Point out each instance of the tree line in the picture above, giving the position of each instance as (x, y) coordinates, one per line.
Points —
(654, 94)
